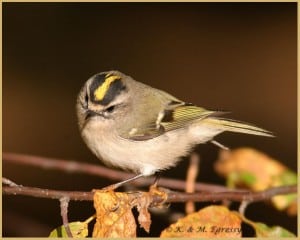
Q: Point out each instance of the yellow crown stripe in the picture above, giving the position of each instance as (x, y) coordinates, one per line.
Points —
(102, 89)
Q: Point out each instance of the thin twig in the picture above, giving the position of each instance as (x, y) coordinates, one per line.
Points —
(8, 182)
(91, 169)
(64, 204)
(242, 207)
(192, 173)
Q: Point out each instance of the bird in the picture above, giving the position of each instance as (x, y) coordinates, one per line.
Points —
(138, 128)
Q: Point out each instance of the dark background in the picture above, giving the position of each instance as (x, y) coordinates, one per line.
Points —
(240, 57)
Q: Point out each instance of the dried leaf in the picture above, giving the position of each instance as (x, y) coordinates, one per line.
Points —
(257, 171)
(114, 217)
(78, 230)
(212, 221)
(245, 162)
(144, 201)
(144, 217)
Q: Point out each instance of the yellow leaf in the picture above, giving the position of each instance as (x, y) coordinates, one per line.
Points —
(249, 161)
(114, 217)
(255, 170)
(212, 221)
(144, 217)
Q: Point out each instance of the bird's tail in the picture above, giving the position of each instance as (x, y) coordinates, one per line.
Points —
(236, 126)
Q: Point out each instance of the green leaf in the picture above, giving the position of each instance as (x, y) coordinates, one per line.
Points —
(262, 230)
(288, 178)
(232, 179)
(78, 230)
(247, 178)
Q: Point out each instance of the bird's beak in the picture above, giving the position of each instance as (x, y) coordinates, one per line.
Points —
(90, 114)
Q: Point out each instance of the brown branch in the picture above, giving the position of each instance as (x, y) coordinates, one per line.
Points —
(191, 177)
(91, 169)
(208, 192)
(232, 196)
(171, 196)
(47, 193)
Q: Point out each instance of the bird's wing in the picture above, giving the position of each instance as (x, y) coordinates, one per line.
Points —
(174, 116)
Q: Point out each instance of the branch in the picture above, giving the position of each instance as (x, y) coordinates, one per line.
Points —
(91, 169)
(208, 192)
(64, 204)
(171, 196)
(47, 193)
(232, 196)
(191, 178)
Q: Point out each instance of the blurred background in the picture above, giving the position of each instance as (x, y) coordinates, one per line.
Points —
(239, 57)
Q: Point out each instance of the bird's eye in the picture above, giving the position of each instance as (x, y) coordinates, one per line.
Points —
(110, 109)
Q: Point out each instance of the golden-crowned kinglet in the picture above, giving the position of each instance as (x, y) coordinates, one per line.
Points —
(135, 127)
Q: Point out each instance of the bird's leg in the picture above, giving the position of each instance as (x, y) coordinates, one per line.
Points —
(220, 145)
(119, 184)
(154, 190)
(156, 180)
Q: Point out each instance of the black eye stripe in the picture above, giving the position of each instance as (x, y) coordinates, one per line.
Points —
(84, 101)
